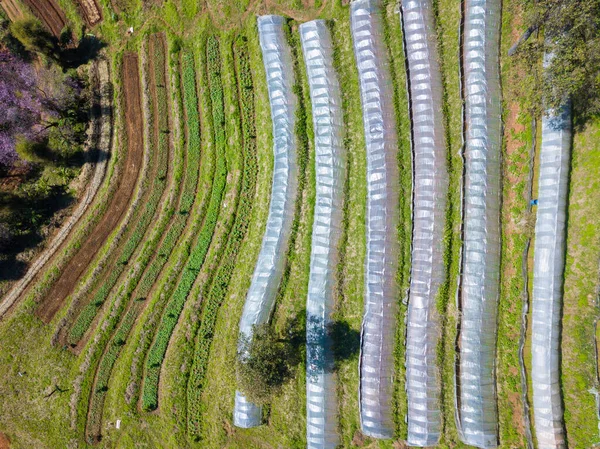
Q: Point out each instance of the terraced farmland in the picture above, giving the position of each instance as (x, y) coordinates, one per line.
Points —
(367, 183)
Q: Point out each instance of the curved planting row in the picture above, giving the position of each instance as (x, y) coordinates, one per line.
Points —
(99, 142)
(321, 404)
(271, 261)
(159, 242)
(430, 192)
(381, 262)
(194, 264)
(153, 186)
(548, 269)
(481, 228)
(117, 208)
(191, 210)
(220, 283)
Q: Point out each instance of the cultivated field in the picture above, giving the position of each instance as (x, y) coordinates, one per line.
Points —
(124, 333)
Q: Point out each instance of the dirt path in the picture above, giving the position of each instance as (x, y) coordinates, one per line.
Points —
(91, 12)
(70, 275)
(49, 13)
(99, 141)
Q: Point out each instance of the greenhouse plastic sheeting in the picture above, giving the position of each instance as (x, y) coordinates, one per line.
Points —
(430, 191)
(271, 259)
(481, 251)
(378, 333)
(548, 268)
(321, 406)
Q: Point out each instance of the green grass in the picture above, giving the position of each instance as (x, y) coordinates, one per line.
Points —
(578, 368)
(194, 264)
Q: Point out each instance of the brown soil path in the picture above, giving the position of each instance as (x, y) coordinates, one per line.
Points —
(70, 275)
(90, 11)
(49, 13)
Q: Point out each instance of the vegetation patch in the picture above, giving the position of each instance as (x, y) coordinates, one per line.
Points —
(190, 271)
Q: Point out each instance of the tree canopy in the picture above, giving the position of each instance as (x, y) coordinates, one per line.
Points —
(570, 34)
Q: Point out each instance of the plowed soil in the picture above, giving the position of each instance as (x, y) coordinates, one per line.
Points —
(14, 13)
(91, 11)
(53, 301)
(49, 13)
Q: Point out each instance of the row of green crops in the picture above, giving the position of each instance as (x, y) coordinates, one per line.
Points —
(194, 264)
(220, 283)
(194, 182)
(118, 304)
(150, 205)
(158, 105)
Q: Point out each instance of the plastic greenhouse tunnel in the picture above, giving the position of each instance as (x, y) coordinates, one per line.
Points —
(430, 192)
(270, 265)
(378, 332)
(548, 269)
(321, 404)
(478, 414)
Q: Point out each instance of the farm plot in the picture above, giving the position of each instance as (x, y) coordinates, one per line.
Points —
(54, 299)
(91, 11)
(160, 124)
(49, 13)
(143, 210)
(220, 283)
(220, 378)
(12, 9)
(170, 316)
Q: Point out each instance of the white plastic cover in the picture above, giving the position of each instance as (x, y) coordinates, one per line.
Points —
(270, 265)
(548, 269)
(430, 192)
(321, 405)
(378, 332)
(481, 256)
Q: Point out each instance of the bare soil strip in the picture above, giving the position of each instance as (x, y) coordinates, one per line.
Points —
(53, 301)
(49, 13)
(99, 142)
(91, 12)
(12, 11)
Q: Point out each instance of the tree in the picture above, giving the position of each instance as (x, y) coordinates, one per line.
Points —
(264, 364)
(20, 102)
(571, 35)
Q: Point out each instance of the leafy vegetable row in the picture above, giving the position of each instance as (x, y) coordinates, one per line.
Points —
(220, 283)
(196, 260)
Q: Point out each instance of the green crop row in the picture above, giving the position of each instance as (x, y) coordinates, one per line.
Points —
(109, 357)
(220, 283)
(159, 182)
(194, 264)
(187, 200)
